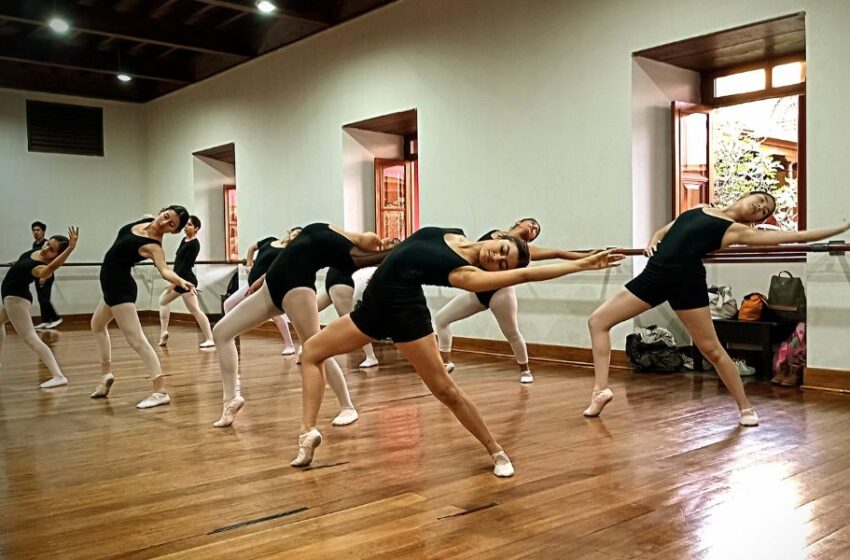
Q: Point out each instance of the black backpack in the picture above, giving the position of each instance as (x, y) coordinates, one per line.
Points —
(654, 358)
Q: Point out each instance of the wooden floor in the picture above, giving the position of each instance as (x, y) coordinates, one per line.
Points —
(666, 473)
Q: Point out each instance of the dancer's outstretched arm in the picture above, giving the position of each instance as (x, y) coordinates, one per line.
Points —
(739, 234)
(154, 252)
(474, 279)
(46, 271)
(544, 253)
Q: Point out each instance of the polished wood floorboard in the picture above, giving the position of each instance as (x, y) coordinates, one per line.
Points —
(666, 473)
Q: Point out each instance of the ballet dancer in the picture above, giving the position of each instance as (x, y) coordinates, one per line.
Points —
(16, 302)
(675, 273)
(135, 242)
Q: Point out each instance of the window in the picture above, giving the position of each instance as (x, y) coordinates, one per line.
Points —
(749, 135)
(231, 224)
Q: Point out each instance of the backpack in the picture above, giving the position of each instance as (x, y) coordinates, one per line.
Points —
(655, 357)
(790, 356)
(787, 297)
(752, 307)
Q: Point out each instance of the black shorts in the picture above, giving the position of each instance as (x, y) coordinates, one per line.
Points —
(116, 292)
(683, 286)
(485, 297)
(336, 278)
(190, 277)
(401, 316)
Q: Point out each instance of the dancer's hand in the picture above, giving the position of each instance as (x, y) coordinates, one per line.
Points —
(189, 287)
(601, 259)
(73, 236)
(651, 247)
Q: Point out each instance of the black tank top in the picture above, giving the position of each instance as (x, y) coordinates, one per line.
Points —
(422, 259)
(489, 235)
(17, 281)
(694, 234)
(266, 253)
(187, 254)
(124, 253)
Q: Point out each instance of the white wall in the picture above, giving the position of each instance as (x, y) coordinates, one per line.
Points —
(99, 194)
(526, 109)
(359, 150)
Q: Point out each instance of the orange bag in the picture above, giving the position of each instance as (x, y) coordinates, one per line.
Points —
(752, 307)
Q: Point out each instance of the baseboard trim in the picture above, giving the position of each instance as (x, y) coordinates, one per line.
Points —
(822, 379)
(572, 355)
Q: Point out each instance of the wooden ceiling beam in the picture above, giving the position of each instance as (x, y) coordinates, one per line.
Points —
(282, 11)
(121, 26)
(90, 60)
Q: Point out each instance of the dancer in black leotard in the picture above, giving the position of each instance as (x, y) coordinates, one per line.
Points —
(502, 303)
(339, 291)
(675, 273)
(290, 285)
(394, 306)
(267, 249)
(184, 261)
(16, 299)
(135, 242)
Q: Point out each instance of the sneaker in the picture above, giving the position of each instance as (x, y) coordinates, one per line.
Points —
(743, 369)
(156, 399)
(502, 466)
(526, 377)
(53, 324)
(40, 326)
(307, 444)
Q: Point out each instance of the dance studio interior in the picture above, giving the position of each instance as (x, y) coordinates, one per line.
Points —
(443, 279)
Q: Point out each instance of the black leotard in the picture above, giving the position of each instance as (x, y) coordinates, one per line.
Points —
(675, 272)
(116, 278)
(394, 304)
(17, 281)
(184, 261)
(316, 247)
(266, 254)
(336, 277)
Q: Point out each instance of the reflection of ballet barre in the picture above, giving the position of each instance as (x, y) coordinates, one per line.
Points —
(834, 248)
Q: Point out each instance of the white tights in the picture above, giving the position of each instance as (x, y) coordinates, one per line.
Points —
(301, 307)
(279, 320)
(504, 308)
(16, 310)
(127, 319)
(191, 301)
(342, 297)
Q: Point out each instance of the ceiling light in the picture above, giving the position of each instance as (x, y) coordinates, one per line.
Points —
(125, 78)
(58, 25)
(266, 7)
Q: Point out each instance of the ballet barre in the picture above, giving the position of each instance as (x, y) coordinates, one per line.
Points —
(6, 265)
(742, 252)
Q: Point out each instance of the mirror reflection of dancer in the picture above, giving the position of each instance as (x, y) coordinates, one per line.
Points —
(184, 261)
(266, 249)
(135, 242)
(675, 273)
(290, 285)
(39, 264)
(394, 306)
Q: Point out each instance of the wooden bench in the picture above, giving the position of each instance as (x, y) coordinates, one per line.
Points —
(752, 341)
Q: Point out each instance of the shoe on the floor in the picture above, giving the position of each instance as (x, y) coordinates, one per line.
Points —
(207, 344)
(793, 379)
(526, 377)
(502, 466)
(53, 324)
(368, 363)
(40, 326)
(749, 418)
(163, 339)
(307, 444)
(450, 367)
(156, 399)
(743, 369)
(287, 351)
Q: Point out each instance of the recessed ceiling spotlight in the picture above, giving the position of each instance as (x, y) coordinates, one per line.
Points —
(266, 7)
(125, 78)
(58, 25)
